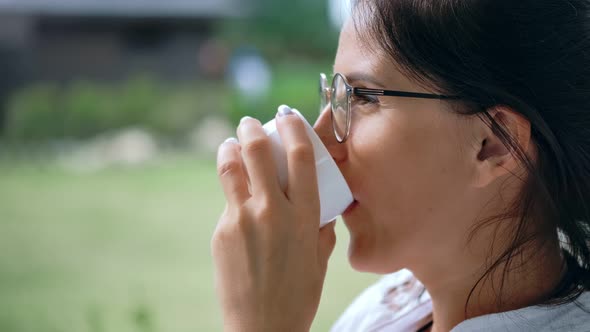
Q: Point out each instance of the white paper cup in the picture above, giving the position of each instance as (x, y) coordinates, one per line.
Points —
(335, 195)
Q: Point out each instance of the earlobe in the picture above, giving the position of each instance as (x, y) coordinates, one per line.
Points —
(494, 158)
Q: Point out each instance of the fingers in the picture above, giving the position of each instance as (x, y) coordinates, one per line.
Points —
(326, 244)
(258, 157)
(302, 180)
(231, 172)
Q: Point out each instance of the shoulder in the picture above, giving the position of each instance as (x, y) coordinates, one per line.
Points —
(569, 317)
(397, 301)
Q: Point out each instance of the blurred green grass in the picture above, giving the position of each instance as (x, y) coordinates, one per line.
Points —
(123, 250)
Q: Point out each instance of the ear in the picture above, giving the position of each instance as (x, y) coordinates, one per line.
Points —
(493, 159)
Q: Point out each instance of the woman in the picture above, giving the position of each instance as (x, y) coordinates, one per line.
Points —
(471, 175)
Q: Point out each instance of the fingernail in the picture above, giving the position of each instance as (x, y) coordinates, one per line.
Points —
(284, 110)
(232, 140)
(244, 119)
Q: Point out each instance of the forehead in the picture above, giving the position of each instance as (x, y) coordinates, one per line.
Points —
(354, 55)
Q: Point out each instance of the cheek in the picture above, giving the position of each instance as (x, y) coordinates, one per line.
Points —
(411, 171)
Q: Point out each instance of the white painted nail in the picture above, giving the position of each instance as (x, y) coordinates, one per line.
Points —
(232, 140)
(245, 118)
(284, 110)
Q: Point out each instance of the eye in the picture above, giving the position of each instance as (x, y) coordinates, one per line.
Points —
(364, 99)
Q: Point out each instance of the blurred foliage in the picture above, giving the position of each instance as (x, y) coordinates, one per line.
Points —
(296, 37)
(76, 247)
(295, 85)
(84, 109)
(297, 29)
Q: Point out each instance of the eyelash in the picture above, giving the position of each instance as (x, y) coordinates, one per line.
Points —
(367, 99)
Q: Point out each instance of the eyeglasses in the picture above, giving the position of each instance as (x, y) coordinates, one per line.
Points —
(338, 96)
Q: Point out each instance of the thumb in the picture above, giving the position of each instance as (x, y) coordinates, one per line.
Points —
(326, 243)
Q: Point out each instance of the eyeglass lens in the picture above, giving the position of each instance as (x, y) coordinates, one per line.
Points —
(337, 97)
(340, 107)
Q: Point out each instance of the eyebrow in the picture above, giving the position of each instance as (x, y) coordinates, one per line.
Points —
(362, 77)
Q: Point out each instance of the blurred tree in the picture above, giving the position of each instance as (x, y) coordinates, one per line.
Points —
(10, 78)
(298, 29)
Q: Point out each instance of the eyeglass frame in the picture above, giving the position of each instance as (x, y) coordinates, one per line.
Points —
(327, 93)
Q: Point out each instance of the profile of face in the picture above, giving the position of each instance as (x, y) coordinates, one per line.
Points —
(414, 167)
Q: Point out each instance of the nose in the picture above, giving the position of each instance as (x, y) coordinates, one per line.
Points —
(323, 127)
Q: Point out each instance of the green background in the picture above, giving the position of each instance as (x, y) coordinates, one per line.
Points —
(123, 249)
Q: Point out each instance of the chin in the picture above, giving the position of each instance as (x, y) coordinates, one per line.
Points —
(358, 264)
(361, 243)
(361, 254)
(364, 255)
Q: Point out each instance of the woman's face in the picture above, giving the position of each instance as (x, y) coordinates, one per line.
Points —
(408, 163)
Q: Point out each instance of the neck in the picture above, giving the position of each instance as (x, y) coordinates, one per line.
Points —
(529, 279)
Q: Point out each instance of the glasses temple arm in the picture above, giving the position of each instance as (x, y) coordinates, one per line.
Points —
(392, 93)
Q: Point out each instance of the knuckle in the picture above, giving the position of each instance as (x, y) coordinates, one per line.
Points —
(263, 213)
(223, 227)
(245, 228)
(264, 209)
(302, 152)
(227, 231)
(257, 146)
(220, 238)
(229, 168)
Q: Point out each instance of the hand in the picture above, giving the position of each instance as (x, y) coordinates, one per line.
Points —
(269, 254)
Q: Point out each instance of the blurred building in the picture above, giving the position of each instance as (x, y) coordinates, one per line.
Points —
(60, 40)
(106, 39)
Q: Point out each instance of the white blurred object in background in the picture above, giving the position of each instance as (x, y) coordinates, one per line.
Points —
(210, 133)
(250, 74)
(125, 147)
(339, 11)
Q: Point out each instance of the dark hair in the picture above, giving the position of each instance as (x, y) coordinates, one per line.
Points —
(532, 56)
